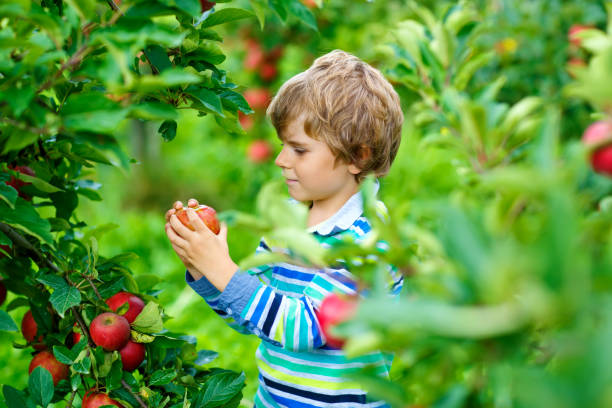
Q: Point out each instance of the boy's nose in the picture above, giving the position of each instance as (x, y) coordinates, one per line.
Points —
(281, 159)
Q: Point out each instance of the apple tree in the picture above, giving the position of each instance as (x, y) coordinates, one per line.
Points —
(70, 73)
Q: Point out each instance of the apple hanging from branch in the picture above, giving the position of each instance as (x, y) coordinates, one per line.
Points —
(598, 139)
(135, 303)
(110, 331)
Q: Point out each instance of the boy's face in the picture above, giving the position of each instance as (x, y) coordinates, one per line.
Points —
(310, 168)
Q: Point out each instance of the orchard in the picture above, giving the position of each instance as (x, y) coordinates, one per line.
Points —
(499, 202)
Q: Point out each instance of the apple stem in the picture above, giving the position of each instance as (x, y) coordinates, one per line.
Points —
(129, 389)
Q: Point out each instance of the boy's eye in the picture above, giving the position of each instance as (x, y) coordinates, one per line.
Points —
(299, 150)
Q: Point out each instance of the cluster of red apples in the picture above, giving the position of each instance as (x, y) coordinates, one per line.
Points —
(108, 330)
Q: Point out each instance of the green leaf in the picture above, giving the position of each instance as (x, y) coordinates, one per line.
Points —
(18, 139)
(40, 386)
(82, 366)
(235, 101)
(13, 397)
(6, 322)
(226, 15)
(205, 357)
(42, 185)
(142, 338)
(149, 320)
(161, 377)
(25, 218)
(222, 387)
(147, 281)
(207, 98)
(260, 8)
(53, 281)
(168, 130)
(153, 111)
(64, 355)
(169, 78)
(8, 194)
(158, 57)
(301, 11)
(64, 298)
(191, 7)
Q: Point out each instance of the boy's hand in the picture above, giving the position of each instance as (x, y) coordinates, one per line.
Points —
(178, 205)
(206, 252)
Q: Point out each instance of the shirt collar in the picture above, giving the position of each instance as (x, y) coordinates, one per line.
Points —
(344, 217)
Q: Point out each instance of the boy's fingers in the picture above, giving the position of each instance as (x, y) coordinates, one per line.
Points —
(223, 232)
(193, 202)
(178, 228)
(169, 213)
(196, 222)
(178, 205)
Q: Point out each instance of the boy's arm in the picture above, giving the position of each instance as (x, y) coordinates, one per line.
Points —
(285, 321)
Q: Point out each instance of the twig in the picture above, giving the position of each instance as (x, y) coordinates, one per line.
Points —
(71, 399)
(93, 287)
(129, 389)
(74, 60)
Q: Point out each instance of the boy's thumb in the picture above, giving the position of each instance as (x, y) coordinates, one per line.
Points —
(223, 231)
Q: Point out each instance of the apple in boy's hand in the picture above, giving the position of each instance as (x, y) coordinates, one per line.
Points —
(135, 304)
(206, 5)
(599, 136)
(207, 214)
(94, 399)
(132, 354)
(47, 360)
(110, 331)
(335, 310)
(29, 328)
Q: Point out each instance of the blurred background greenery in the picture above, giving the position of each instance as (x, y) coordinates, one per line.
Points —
(530, 43)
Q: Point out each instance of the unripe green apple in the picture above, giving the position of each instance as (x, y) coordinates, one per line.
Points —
(207, 214)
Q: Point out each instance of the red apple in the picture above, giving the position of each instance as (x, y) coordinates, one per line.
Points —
(76, 335)
(574, 30)
(17, 184)
(207, 214)
(599, 136)
(268, 71)
(29, 328)
(259, 151)
(132, 354)
(110, 331)
(135, 304)
(254, 56)
(2, 293)
(310, 3)
(206, 5)
(6, 249)
(258, 98)
(246, 121)
(334, 310)
(47, 360)
(94, 399)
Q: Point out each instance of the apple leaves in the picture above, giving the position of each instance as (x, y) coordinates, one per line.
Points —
(64, 296)
(40, 385)
(149, 320)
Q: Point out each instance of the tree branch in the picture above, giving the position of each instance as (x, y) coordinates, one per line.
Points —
(129, 389)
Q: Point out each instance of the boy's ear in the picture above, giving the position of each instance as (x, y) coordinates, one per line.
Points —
(363, 154)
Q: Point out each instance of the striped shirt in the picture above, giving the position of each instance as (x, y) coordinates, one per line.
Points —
(277, 303)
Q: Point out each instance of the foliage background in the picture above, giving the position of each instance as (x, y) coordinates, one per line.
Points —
(207, 163)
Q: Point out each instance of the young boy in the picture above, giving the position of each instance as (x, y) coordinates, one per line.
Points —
(339, 121)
